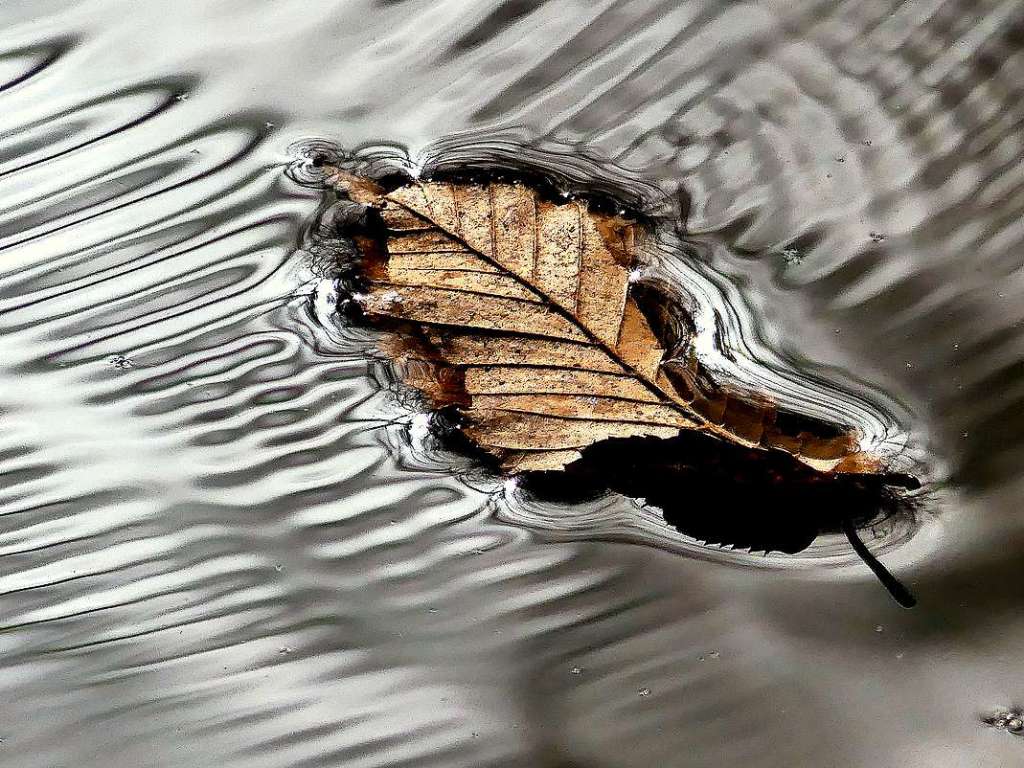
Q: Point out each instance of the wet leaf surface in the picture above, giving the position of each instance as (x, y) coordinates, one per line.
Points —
(520, 310)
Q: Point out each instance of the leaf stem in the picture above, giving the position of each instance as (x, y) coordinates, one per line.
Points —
(895, 588)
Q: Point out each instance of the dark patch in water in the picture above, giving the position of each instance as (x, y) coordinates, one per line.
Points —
(722, 494)
(727, 495)
(503, 16)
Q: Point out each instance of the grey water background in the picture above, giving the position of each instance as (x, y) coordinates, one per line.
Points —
(211, 551)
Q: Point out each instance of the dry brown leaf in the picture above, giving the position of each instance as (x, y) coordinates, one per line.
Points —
(518, 309)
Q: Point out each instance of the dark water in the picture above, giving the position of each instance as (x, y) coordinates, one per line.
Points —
(226, 541)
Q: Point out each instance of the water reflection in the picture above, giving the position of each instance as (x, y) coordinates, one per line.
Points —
(241, 487)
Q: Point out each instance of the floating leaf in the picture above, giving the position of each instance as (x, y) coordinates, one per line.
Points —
(519, 310)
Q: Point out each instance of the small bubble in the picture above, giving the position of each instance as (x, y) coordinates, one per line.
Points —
(909, 364)
(879, 628)
(181, 96)
(432, 610)
(644, 692)
(122, 362)
(791, 255)
(284, 650)
(576, 671)
(1010, 720)
(278, 567)
(964, 434)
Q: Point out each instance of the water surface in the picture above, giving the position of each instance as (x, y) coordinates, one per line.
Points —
(223, 546)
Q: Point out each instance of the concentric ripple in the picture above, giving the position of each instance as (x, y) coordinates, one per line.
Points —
(227, 541)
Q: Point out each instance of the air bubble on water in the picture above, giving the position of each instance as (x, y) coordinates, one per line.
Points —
(1009, 720)
(122, 362)
(576, 671)
(879, 628)
(325, 297)
(419, 430)
(644, 692)
(791, 255)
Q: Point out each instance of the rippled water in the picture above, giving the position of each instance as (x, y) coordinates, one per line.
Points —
(225, 539)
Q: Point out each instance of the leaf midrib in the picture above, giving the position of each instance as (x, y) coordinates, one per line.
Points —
(551, 304)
